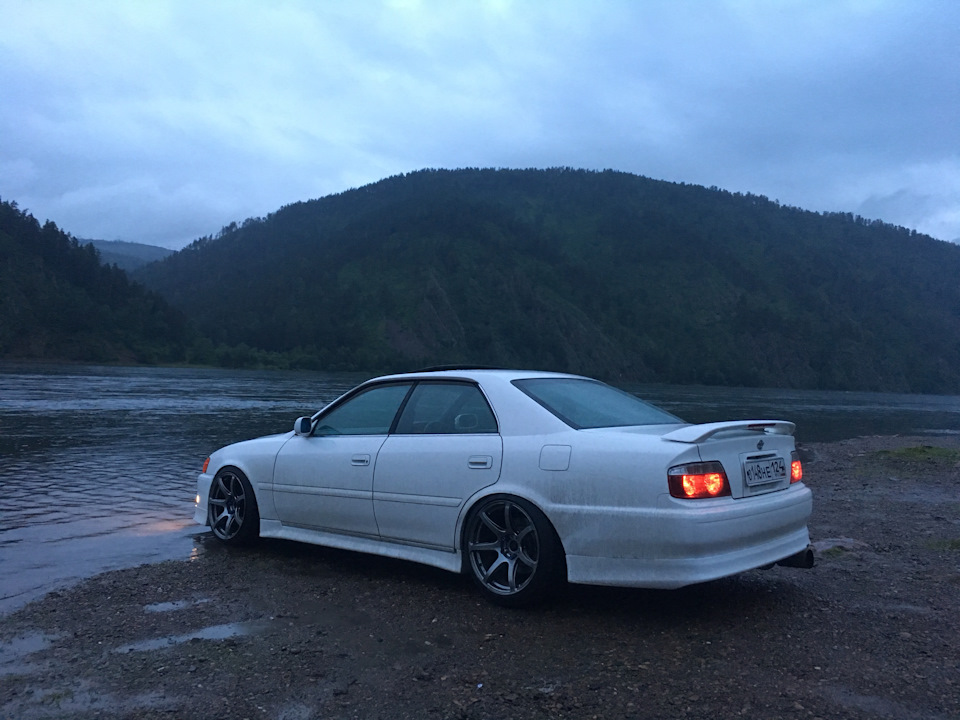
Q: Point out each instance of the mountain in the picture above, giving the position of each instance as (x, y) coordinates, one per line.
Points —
(57, 302)
(604, 273)
(127, 255)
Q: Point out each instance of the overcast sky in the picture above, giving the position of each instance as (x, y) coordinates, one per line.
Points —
(164, 120)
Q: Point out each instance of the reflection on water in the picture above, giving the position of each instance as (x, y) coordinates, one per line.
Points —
(214, 632)
(98, 465)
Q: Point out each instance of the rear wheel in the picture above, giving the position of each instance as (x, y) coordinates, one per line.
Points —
(232, 511)
(512, 551)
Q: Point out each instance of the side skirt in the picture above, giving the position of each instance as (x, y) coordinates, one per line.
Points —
(443, 559)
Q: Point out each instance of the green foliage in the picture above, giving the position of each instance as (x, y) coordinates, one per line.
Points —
(923, 454)
(606, 273)
(951, 545)
(58, 302)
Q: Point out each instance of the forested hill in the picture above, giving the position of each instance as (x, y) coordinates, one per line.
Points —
(605, 273)
(57, 302)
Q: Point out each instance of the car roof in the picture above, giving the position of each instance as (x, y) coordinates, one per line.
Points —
(474, 373)
(516, 413)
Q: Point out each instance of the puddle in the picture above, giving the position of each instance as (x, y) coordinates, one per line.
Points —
(928, 495)
(841, 543)
(907, 609)
(873, 705)
(172, 606)
(213, 632)
(84, 699)
(14, 652)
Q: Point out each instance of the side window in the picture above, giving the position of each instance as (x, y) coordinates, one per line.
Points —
(446, 408)
(369, 413)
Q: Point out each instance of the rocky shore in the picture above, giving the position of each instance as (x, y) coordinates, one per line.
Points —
(296, 632)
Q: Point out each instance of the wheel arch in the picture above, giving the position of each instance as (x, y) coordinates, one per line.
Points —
(258, 469)
(236, 468)
(495, 492)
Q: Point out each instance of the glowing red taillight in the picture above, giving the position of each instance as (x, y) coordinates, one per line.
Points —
(698, 480)
(796, 468)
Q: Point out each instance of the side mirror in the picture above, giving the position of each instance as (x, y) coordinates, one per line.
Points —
(302, 426)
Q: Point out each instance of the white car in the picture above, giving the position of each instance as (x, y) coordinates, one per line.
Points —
(520, 479)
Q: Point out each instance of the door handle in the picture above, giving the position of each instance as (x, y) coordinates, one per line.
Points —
(480, 462)
(360, 460)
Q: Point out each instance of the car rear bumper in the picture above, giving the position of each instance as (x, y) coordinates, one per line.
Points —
(684, 542)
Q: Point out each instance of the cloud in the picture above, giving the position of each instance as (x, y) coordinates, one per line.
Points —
(164, 121)
(926, 196)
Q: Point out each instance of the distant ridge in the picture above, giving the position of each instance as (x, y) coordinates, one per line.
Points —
(127, 255)
(603, 273)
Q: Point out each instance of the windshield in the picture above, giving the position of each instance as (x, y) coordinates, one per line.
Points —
(583, 403)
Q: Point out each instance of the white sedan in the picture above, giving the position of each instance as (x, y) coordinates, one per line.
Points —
(520, 479)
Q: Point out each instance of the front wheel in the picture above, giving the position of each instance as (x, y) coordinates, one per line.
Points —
(232, 511)
(512, 551)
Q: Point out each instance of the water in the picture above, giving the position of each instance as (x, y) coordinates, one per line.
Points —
(98, 465)
(820, 416)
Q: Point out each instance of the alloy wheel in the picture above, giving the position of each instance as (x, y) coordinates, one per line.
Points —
(503, 544)
(228, 504)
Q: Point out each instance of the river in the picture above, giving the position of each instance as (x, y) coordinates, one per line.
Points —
(98, 464)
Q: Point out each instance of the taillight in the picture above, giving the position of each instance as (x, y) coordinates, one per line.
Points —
(698, 480)
(206, 463)
(796, 468)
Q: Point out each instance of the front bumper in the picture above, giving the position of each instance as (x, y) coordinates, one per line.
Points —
(200, 514)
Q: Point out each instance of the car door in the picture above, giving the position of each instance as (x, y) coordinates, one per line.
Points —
(445, 448)
(324, 480)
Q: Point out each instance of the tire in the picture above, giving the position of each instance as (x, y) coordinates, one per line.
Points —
(232, 511)
(511, 551)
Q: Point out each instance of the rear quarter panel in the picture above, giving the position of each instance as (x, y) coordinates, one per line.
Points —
(606, 500)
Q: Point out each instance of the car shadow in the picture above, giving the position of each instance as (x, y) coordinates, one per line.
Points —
(754, 593)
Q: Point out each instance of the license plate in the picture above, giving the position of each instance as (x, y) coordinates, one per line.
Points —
(758, 472)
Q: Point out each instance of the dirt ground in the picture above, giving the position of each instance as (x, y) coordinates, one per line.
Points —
(293, 632)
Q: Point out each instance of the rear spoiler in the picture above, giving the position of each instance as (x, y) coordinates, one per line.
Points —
(699, 433)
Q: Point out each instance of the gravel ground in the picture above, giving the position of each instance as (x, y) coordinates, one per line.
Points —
(297, 632)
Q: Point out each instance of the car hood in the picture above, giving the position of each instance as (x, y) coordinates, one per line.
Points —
(268, 444)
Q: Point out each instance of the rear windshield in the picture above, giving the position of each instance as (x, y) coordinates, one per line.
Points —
(584, 404)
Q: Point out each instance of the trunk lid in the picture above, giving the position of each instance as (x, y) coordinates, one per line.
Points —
(755, 454)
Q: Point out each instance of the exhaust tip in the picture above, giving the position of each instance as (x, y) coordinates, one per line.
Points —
(803, 559)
